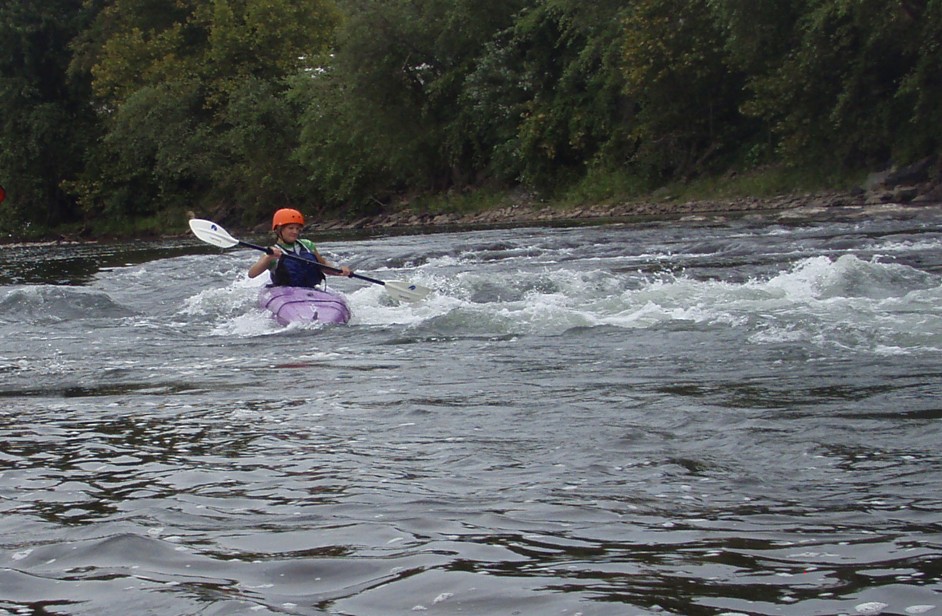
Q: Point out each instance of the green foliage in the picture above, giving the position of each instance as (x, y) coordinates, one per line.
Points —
(546, 100)
(124, 113)
(461, 203)
(688, 94)
(256, 174)
(385, 115)
(602, 185)
(766, 181)
(854, 89)
(756, 33)
(334, 149)
(156, 150)
(196, 104)
(45, 120)
(920, 89)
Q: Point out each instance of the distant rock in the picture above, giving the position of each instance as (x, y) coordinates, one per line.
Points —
(920, 182)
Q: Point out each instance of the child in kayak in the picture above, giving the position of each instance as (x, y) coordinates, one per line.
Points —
(287, 224)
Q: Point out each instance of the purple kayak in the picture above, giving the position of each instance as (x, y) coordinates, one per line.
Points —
(302, 305)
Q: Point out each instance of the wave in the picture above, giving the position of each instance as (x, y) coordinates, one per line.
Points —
(846, 300)
(848, 276)
(54, 304)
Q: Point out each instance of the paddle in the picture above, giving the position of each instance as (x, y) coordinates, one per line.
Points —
(211, 233)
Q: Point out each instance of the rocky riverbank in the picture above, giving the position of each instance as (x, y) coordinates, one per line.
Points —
(912, 186)
(786, 206)
(527, 212)
(915, 186)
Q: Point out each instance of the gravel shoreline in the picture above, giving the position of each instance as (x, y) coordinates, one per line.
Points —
(786, 207)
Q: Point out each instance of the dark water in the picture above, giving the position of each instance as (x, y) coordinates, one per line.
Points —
(704, 417)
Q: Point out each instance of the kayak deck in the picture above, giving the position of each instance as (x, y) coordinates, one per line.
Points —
(290, 305)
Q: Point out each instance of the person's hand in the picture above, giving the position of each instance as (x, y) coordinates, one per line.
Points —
(346, 271)
(274, 253)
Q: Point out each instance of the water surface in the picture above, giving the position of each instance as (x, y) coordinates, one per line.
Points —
(698, 417)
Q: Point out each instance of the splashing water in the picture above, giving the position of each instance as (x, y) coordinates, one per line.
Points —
(727, 417)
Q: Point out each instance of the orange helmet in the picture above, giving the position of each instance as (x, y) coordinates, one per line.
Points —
(286, 216)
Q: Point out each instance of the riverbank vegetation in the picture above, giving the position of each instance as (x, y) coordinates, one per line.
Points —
(118, 116)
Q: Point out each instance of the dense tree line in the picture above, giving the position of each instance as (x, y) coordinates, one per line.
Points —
(119, 113)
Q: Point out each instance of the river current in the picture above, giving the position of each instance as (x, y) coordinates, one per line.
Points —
(703, 417)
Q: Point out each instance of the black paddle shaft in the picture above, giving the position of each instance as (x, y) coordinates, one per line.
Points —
(309, 262)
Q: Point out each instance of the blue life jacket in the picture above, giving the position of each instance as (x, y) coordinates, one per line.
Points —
(294, 273)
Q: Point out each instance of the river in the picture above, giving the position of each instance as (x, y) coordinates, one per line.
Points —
(704, 417)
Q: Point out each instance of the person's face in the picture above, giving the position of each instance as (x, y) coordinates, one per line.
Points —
(290, 233)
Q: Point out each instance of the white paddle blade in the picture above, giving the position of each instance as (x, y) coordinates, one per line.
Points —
(404, 291)
(211, 233)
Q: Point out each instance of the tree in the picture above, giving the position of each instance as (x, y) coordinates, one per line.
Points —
(192, 97)
(385, 115)
(858, 87)
(688, 94)
(46, 123)
(547, 101)
(920, 88)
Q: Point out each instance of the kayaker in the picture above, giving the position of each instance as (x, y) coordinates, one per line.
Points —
(287, 224)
